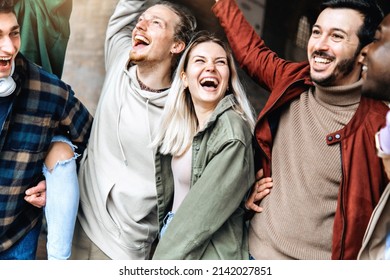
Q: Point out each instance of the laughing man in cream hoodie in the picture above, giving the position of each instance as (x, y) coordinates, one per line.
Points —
(118, 205)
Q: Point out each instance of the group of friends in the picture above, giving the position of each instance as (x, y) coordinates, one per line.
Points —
(175, 164)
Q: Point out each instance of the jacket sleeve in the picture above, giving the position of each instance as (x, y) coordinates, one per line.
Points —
(120, 27)
(249, 49)
(214, 197)
(76, 122)
(45, 31)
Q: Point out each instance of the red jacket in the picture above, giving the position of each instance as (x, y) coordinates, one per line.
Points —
(363, 177)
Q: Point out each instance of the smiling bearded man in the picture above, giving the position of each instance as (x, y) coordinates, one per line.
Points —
(118, 205)
(314, 135)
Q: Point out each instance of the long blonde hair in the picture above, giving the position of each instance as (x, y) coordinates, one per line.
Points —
(179, 123)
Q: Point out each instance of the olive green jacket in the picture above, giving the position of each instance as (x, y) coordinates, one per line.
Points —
(45, 31)
(210, 223)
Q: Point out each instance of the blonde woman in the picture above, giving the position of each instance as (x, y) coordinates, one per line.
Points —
(204, 163)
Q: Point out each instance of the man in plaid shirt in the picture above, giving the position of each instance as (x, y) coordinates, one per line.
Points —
(34, 107)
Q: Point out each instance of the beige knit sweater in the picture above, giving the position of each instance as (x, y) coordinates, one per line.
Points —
(297, 222)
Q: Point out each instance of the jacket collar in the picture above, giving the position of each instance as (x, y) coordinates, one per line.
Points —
(226, 103)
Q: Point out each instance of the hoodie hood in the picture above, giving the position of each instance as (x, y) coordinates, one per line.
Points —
(153, 98)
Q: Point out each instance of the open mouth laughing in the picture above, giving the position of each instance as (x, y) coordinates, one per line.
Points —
(209, 83)
(5, 61)
(140, 41)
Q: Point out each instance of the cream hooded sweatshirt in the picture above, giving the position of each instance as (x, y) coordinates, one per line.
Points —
(118, 209)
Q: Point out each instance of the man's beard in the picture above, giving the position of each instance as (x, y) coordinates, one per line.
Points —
(135, 58)
(343, 68)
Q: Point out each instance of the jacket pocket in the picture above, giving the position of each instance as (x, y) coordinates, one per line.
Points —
(29, 133)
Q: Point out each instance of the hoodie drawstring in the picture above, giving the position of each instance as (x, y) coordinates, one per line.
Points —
(117, 131)
(147, 120)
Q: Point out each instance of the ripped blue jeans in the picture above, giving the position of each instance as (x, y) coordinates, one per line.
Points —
(62, 201)
(387, 248)
(168, 218)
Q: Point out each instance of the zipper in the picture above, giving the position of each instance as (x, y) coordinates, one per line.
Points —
(342, 203)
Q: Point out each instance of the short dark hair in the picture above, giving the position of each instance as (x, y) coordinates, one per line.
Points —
(7, 6)
(371, 12)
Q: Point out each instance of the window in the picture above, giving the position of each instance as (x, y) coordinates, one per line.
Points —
(303, 33)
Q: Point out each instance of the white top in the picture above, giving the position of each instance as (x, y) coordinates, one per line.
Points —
(181, 169)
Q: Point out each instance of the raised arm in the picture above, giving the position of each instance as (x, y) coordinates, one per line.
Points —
(261, 63)
(120, 27)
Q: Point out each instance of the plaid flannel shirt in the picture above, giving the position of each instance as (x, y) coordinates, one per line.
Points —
(42, 106)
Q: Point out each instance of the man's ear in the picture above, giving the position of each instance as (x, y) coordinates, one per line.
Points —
(178, 47)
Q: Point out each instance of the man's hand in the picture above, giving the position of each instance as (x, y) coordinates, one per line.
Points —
(37, 195)
(260, 189)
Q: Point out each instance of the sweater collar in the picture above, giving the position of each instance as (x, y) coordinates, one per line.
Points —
(345, 95)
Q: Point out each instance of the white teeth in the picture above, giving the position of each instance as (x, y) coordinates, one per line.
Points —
(364, 68)
(4, 58)
(141, 38)
(213, 80)
(322, 60)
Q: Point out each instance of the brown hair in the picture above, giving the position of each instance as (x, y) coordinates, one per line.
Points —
(184, 30)
(7, 6)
